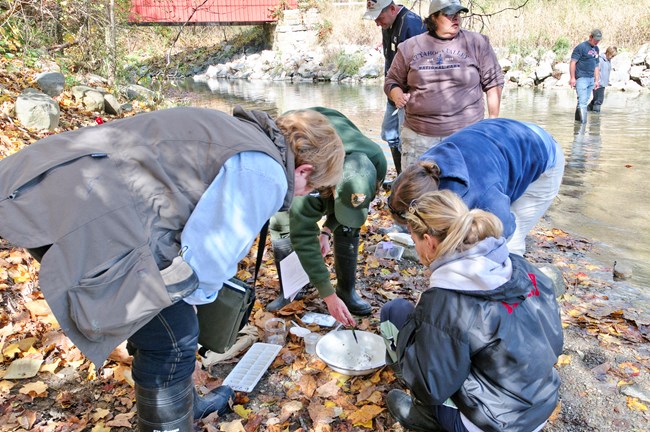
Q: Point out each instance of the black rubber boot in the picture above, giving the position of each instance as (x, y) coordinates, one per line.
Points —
(346, 250)
(409, 414)
(578, 115)
(166, 409)
(281, 249)
(397, 159)
(219, 400)
(583, 115)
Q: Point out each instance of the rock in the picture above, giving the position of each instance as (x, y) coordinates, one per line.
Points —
(641, 55)
(556, 276)
(51, 83)
(91, 98)
(111, 105)
(137, 92)
(37, 110)
(636, 392)
(505, 64)
(621, 270)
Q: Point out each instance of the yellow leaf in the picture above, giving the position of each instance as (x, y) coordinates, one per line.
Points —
(50, 367)
(5, 386)
(563, 360)
(363, 417)
(100, 428)
(635, 405)
(11, 350)
(99, 413)
(20, 273)
(241, 411)
(233, 426)
(35, 389)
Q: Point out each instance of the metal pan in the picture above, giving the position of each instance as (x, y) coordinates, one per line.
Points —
(340, 352)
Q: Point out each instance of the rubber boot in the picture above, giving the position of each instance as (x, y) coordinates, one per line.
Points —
(219, 400)
(166, 409)
(411, 414)
(397, 159)
(346, 250)
(578, 115)
(281, 249)
(583, 115)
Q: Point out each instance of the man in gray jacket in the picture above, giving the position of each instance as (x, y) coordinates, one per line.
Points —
(107, 211)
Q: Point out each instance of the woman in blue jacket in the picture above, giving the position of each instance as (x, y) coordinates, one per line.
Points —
(507, 167)
(478, 350)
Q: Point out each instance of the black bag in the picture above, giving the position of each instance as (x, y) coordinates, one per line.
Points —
(221, 320)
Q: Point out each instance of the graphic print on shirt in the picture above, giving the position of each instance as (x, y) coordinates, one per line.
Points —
(439, 60)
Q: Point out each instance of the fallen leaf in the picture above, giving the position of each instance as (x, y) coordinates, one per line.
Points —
(329, 389)
(35, 389)
(23, 368)
(364, 416)
(635, 405)
(100, 427)
(233, 426)
(241, 411)
(563, 360)
(121, 420)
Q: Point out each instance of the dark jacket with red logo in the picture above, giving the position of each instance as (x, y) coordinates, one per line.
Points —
(487, 335)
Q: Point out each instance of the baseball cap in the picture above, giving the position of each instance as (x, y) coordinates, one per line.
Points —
(447, 6)
(596, 34)
(355, 190)
(374, 8)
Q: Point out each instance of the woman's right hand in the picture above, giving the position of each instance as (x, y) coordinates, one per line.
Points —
(399, 98)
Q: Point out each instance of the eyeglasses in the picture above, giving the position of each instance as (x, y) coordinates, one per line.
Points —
(400, 214)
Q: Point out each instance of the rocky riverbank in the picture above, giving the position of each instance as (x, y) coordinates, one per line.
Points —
(630, 72)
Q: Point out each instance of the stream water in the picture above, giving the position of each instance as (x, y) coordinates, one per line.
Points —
(605, 194)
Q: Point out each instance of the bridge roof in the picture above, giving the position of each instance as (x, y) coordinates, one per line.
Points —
(226, 12)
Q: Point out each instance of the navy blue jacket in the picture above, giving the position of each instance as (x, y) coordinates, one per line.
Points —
(406, 25)
(491, 163)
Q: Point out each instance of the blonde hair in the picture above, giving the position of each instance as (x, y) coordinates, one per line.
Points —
(314, 141)
(444, 215)
(611, 52)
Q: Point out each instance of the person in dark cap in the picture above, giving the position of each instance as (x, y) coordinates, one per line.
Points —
(345, 211)
(585, 72)
(398, 24)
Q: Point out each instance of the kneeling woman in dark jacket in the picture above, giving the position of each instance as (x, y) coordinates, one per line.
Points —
(478, 350)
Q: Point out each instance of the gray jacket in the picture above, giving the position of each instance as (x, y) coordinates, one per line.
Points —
(109, 204)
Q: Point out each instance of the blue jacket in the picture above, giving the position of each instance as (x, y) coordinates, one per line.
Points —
(486, 334)
(407, 24)
(491, 163)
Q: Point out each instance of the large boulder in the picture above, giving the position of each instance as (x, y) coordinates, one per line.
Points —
(36, 110)
(91, 98)
(51, 83)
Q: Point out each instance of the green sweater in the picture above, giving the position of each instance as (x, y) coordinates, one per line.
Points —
(307, 211)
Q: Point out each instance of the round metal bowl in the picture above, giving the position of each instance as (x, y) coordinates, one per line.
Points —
(342, 353)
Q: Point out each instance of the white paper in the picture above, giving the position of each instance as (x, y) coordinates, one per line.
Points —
(293, 276)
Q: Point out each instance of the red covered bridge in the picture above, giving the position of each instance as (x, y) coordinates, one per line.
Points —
(223, 12)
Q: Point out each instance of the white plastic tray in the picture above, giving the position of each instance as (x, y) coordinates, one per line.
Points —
(249, 370)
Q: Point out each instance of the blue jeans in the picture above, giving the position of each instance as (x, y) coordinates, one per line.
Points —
(396, 312)
(164, 350)
(391, 125)
(584, 86)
